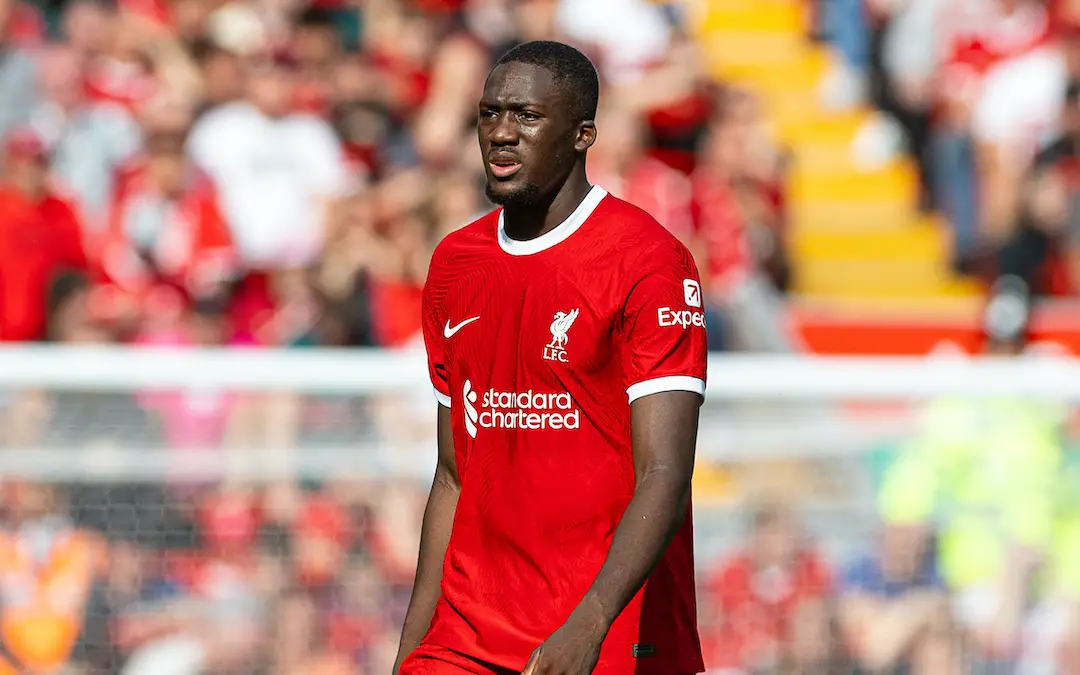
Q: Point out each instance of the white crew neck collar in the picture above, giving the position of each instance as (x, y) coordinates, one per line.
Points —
(556, 235)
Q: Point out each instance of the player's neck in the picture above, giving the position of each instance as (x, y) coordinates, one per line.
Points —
(530, 222)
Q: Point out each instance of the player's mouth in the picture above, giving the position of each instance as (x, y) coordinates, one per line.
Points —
(504, 167)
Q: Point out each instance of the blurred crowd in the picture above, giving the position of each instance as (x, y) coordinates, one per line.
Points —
(972, 568)
(985, 97)
(136, 578)
(277, 172)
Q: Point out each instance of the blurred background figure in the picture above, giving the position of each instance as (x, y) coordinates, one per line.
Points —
(893, 604)
(40, 235)
(49, 567)
(987, 471)
(758, 599)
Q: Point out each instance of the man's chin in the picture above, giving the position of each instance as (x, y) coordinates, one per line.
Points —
(524, 195)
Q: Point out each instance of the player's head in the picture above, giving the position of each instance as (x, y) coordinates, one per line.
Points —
(536, 120)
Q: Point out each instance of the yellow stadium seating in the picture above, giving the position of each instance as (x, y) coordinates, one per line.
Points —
(856, 236)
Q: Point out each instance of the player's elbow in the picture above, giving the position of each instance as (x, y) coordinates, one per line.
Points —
(669, 480)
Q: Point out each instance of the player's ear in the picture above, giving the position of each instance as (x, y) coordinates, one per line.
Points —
(586, 136)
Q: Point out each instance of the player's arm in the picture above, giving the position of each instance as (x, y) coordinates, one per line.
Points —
(664, 355)
(434, 537)
(445, 488)
(664, 433)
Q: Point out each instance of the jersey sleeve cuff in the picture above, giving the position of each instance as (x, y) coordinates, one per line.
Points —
(670, 383)
(443, 399)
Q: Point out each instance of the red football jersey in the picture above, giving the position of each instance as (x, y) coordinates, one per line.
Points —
(538, 347)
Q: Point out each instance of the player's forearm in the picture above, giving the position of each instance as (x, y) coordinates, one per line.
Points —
(434, 538)
(660, 503)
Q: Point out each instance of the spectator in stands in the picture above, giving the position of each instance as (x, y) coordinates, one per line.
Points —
(166, 228)
(343, 277)
(18, 74)
(278, 172)
(892, 601)
(199, 421)
(1050, 639)
(901, 61)
(279, 175)
(458, 65)
(224, 578)
(651, 68)
(845, 24)
(40, 236)
(148, 617)
(738, 216)
(222, 75)
(755, 595)
(1017, 106)
(976, 87)
(996, 463)
(301, 646)
(317, 48)
(620, 161)
(321, 538)
(1043, 248)
(91, 138)
(47, 569)
(347, 594)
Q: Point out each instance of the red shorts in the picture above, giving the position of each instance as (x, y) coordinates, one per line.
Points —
(433, 660)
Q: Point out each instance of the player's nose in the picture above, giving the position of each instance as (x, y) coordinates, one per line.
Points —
(503, 131)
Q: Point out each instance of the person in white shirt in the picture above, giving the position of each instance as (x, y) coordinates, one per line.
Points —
(278, 172)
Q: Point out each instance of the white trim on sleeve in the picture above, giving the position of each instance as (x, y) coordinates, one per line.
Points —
(670, 383)
(442, 398)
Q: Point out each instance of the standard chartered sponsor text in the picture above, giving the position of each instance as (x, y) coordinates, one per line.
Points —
(524, 410)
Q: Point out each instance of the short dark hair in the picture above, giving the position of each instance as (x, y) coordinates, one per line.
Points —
(573, 72)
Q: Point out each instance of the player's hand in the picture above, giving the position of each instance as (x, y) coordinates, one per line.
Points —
(574, 649)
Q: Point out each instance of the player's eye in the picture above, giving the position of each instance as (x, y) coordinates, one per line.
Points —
(488, 114)
(528, 116)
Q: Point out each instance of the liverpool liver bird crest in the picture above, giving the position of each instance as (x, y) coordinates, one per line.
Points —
(559, 326)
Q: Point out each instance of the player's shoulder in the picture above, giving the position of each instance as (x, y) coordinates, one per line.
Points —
(470, 240)
(480, 232)
(638, 236)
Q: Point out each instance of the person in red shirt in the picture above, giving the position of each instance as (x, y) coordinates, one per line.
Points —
(757, 593)
(621, 162)
(566, 343)
(40, 237)
(166, 228)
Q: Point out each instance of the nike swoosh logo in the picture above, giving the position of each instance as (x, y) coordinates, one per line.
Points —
(448, 331)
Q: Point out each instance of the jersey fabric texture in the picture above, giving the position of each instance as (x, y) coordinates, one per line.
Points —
(538, 348)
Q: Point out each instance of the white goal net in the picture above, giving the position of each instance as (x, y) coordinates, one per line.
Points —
(257, 512)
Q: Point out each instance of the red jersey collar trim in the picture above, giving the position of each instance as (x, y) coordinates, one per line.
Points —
(556, 235)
